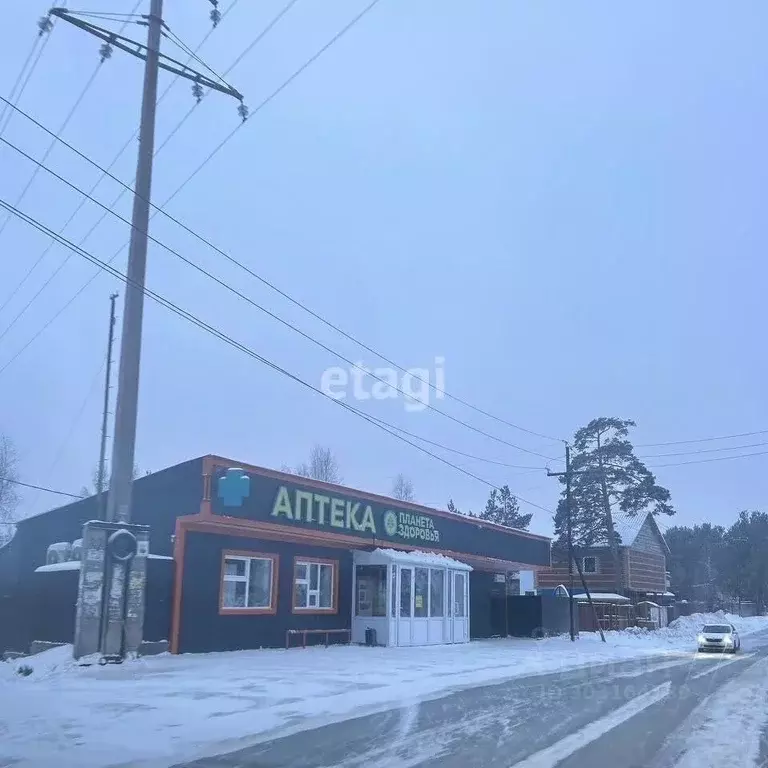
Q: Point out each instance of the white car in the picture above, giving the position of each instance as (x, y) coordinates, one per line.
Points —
(719, 637)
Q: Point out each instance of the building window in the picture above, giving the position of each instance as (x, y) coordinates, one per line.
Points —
(315, 585)
(371, 581)
(590, 565)
(248, 583)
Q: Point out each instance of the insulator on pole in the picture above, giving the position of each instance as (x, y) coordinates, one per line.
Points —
(197, 91)
(105, 52)
(242, 110)
(44, 24)
(215, 13)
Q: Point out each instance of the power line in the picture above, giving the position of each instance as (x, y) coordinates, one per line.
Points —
(287, 7)
(45, 26)
(38, 488)
(706, 461)
(274, 316)
(173, 132)
(159, 209)
(20, 76)
(78, 415)
(700, 439)
(24, 191)
(287, 82)
(462, 453)
(69, 116)
(311, 60)
(104, 173)
(241, 347)
(193, 55)
(31, 180)
(700, 450)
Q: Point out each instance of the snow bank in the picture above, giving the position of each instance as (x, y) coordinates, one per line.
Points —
(683, 631)
(169, 709)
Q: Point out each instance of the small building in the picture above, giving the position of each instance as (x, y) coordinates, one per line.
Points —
(242, 556)
(410, 598)
(643, 553)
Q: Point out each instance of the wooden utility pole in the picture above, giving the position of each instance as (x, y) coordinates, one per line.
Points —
(571, 558)
(100, 477)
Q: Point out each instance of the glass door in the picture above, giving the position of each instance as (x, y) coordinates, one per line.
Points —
(459, 617)
(405, 616)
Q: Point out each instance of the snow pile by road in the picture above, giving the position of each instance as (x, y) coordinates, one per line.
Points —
(172, 708)
(682, 632)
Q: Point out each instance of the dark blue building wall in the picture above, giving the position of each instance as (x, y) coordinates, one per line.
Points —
(158, 499)
(49, 598)
(203, 629)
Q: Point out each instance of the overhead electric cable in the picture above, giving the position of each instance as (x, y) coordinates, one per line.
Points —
(273, 287)
(190, 317)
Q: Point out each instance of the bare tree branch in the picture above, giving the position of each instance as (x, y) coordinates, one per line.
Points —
(402, 488)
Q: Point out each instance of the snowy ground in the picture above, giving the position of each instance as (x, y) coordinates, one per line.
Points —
(726, 729)
(170, 708)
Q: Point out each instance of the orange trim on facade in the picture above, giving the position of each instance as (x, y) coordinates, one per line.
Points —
(335, 601)
(179, 545)
(211, 462)
(271, 610)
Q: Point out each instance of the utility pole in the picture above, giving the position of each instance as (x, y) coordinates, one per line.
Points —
(569, 534)
(111, 591)
(124, 438)
(107, 384)
(568, 474)
(126, 409)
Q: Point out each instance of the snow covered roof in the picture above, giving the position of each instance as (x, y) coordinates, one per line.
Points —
(601, 597)
(74, 565)
(416, 557)
(628, 527)
(67, 565)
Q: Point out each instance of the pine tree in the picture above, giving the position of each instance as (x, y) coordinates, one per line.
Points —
(503, 508)
(606, 474)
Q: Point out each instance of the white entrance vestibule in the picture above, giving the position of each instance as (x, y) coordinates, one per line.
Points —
(410, 598)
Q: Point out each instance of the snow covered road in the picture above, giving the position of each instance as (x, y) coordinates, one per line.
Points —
(696, 712)
(172, 710)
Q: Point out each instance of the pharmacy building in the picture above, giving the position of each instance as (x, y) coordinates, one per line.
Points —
(238, 556)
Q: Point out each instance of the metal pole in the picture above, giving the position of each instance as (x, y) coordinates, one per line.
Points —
(107, 381)
(124, 442)
(570, 538)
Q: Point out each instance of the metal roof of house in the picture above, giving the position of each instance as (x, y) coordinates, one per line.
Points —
(628, 527)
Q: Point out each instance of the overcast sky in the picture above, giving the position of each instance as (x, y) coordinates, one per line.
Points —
(565, 201)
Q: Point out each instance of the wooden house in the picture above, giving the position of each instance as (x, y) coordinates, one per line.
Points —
(643, 553)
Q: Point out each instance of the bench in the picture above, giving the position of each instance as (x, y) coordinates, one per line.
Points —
(304, 632)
